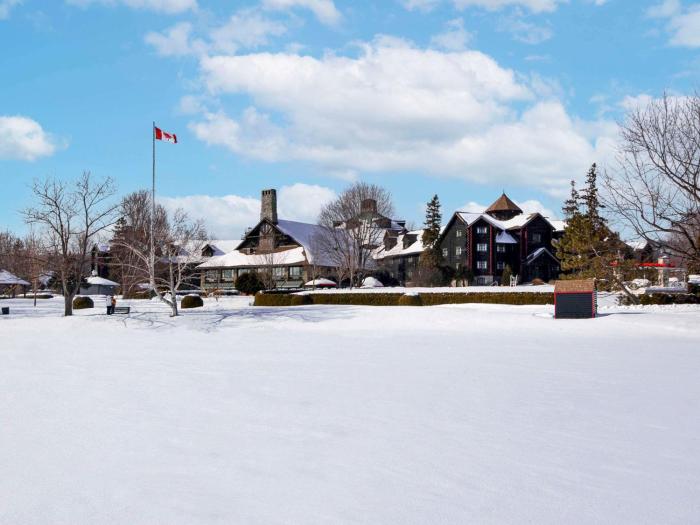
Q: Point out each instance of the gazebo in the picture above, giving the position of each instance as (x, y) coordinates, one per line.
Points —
(11, 281)
(99, 286)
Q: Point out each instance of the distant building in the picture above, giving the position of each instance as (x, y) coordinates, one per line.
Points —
(482, 245)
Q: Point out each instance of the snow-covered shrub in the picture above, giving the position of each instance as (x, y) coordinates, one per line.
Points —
(410, 299)
(82, 302)
(191, 301)
(669, 298)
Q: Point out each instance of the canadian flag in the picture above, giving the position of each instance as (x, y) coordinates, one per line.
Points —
(163, 135)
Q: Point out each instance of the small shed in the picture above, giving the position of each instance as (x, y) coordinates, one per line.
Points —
(575, 299)
(99, 286)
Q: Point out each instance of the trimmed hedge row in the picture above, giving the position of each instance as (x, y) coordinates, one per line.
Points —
(396, 299)
(669, 298)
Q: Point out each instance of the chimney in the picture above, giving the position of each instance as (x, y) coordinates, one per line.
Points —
(368, 206)
(268, 205)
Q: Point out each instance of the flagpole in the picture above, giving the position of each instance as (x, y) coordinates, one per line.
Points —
(153, 205)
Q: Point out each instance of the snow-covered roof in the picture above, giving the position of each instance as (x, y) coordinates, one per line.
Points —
(237, 258)
(637, 245)
(537, 253)
(505, 238)
(7, 278)
(100, 281)
(416, 247)
(511, 224)
(558, 225)
(223, 246)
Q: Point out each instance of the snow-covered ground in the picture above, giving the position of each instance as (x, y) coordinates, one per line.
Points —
(341, 414)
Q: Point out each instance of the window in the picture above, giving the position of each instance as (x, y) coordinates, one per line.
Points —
(444, 252)
(536, 237)
(227, 275)
(279, 272)
(295, 272)
(482, 247)
(458, 250)
(501, 248)
(212, 276)
(500, 265)
(482, 230)
(481, 265)
(459, 233)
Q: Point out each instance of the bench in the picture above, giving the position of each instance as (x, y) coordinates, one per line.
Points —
(122, 309)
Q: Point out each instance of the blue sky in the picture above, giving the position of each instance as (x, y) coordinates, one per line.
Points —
(463, 98)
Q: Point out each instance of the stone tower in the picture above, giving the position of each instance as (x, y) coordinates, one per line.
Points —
(268, 205)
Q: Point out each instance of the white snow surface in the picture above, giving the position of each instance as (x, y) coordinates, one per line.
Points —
(339, 414)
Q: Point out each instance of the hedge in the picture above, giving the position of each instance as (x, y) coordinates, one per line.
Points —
(395, 299)
(669, 298)
(410, 300)
(191, 301)
(82, 302)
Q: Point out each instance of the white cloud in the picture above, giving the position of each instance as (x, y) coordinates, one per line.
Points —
(162, 6)
(399, 108)
(247, 28)
(6, 6)
(524, 31)
(22, 138)
(454, 38)
(535, 6)
(683, 23)
(228, 216)
(174, 41)
(324, 10)
(420, 5)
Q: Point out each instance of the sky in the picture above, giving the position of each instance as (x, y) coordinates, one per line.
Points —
(460, 98)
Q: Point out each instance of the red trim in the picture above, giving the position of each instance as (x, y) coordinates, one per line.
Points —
(492, 269)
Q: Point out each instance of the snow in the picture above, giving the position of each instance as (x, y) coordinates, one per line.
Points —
(239, 259)
(545, 288)
(415, 248)
(7, 278)
(94, 279)
(371, 282)
(341, 414)
(321, 282)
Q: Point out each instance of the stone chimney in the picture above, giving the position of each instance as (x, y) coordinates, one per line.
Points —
(268, 205)
(368, 206)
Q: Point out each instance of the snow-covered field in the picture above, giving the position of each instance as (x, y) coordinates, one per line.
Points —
(341, 414)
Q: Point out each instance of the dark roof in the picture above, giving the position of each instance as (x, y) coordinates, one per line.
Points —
(503, 203)
(577, 285)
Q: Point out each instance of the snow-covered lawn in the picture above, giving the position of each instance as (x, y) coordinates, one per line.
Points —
(340, 414)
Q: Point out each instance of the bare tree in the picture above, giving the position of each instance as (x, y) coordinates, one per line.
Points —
(353, 227)
(178, 244)
(655, 189)
(70, 216)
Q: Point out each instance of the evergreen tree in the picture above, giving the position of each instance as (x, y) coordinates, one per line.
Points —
(589, 248)
(432, 257)
(572, 204)
(506, 275)
(429, 272)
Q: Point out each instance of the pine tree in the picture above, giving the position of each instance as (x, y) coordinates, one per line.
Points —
(506, 275)
(589, 248)
(431, 259)
(572, 204)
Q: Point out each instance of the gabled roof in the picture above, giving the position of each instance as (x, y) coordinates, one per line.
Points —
(505, 238)
(539, 252)
(503, 203)
(7, 278)
(416, 247)
(222, 246)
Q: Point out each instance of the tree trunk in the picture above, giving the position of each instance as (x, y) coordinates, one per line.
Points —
(67, 304)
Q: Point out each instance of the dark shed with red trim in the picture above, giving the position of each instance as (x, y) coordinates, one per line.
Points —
(575, 299)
